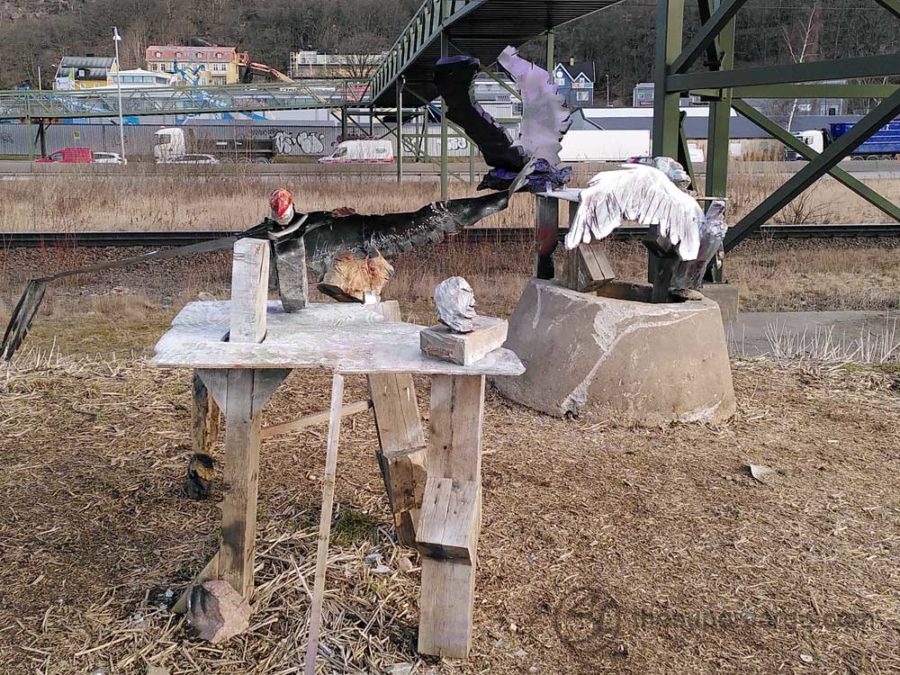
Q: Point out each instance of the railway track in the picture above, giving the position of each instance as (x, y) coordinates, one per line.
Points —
(472, 235)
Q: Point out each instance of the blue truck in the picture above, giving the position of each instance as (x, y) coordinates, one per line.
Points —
(883, 144)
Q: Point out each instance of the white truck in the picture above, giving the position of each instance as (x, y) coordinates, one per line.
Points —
(170, 148)
(604, 145)
(361, 152)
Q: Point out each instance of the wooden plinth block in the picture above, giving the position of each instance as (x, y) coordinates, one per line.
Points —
(464, 348)
(249, 290)
(587, 268)
(449, 524)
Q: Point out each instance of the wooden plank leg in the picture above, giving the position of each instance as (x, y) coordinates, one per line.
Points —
(241, 483)
(401, 453)
(204, 418)
(448, 576)
(334, 432)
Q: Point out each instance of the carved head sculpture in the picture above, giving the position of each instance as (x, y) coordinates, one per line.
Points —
(455, 303)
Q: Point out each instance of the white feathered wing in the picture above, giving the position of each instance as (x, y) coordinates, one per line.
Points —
(644, 195)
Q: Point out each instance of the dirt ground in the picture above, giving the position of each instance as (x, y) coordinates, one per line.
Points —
(603, 548)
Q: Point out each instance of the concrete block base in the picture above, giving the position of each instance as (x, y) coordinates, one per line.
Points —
(727, 297)
(619, 358)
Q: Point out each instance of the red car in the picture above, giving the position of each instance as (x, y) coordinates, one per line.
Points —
(69, 156)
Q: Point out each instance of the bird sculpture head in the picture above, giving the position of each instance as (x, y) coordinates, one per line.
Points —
(281, 203)
(674, 171)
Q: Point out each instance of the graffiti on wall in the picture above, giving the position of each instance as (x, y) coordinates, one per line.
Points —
(299, 143)
(457, 143)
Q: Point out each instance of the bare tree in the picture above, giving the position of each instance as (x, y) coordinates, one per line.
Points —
(802, 40)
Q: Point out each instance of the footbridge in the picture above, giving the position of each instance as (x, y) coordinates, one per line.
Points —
(479, 28)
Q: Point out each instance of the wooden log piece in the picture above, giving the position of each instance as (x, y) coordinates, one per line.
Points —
(454, 452)
(488, 334)
(204, 417)
(587, 268)
(217, 612)
(449, 524)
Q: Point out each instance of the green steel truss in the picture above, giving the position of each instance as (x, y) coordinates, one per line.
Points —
(725, 87)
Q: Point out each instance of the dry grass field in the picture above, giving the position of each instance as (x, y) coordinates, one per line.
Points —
(603, 548)
(220, 199)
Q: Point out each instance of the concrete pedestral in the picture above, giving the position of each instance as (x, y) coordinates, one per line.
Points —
(619, 358)
(727, 297)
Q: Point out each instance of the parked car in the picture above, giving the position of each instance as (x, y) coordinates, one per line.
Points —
(109, 158)
(68, 156)
(193, 159)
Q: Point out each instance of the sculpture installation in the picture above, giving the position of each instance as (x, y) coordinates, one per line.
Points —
(455, 302)
(684, 238)
(330, 241)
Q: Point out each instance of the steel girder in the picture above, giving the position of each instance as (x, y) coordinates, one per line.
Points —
(724, 87)
(807, 152)
(817, 167)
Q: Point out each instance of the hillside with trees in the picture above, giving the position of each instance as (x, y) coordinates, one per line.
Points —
(37, 33)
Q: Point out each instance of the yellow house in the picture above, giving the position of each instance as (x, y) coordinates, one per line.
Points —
(197, 65)
(83, 72)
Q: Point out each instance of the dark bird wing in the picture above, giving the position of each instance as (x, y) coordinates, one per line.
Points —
(27, 307)
(453, 78)
(327, 236)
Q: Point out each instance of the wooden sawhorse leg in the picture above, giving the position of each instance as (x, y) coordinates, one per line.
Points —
(204, 417)
(450, 520)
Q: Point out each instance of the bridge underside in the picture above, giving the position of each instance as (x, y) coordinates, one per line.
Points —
(479, 28)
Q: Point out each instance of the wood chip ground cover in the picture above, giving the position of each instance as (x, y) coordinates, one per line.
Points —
(602, 547)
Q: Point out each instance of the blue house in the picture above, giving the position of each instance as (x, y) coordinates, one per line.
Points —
(575, 81)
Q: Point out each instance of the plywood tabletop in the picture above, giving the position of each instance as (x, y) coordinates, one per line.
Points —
(348, 338)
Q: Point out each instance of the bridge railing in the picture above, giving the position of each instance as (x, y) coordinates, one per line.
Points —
(421, 30)
(42, 104)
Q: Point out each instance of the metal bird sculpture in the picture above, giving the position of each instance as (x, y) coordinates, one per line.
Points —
(319, 238)
(545, 120)
(358, 241)
(656, 196)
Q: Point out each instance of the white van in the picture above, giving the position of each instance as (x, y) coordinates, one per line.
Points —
(365, 151)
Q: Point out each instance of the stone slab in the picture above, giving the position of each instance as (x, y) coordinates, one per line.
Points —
(625, 360)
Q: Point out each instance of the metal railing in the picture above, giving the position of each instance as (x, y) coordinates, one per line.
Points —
(183, 100)
(425, 26)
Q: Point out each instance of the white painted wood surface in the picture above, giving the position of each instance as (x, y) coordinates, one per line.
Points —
(346, 338)
(249, 290)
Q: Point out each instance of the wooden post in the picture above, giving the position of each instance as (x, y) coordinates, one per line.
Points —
(245, 393)
(451, 517)
(204, 417)
(334, 432)
(401, 454)
(546, 234)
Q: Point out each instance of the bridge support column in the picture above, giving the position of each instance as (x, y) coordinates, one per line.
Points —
(445, 169)
(400, 130)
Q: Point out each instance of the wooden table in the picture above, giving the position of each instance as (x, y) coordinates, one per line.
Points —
(243, 349)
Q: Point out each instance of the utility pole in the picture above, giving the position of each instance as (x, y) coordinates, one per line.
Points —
(607, 90)
(116, 40)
